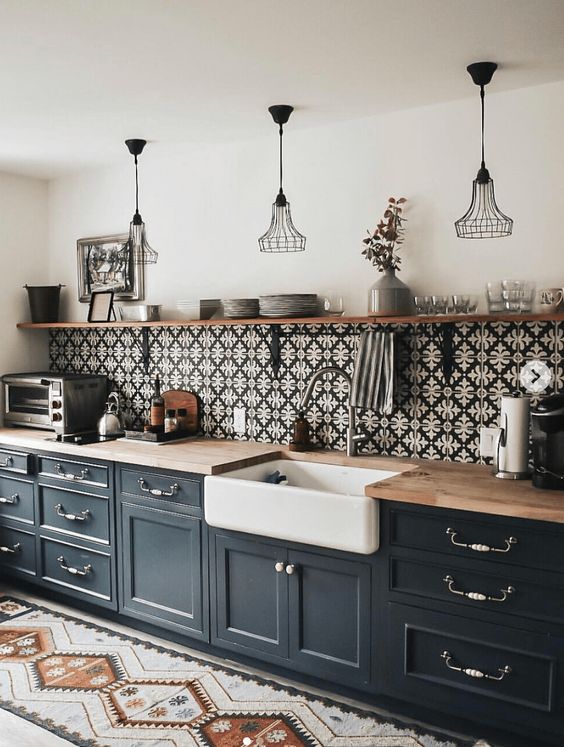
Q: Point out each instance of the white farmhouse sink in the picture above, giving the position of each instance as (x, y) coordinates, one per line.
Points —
(323, 504)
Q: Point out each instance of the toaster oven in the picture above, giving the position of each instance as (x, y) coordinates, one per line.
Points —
(61, 402)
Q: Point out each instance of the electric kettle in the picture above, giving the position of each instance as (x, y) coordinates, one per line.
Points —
(111, 423)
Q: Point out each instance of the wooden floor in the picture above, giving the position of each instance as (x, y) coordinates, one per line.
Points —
(17, 732)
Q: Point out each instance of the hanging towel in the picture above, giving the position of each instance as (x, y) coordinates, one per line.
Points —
(373, 377)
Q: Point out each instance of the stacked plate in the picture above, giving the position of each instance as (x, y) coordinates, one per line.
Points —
(289, 304)
(241, 308)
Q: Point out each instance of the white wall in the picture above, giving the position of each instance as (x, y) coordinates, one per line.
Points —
(23, 259)
(206, 206)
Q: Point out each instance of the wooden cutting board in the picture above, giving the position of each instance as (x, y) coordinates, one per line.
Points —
(176, 398)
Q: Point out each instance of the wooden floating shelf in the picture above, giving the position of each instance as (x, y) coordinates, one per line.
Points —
(435, 319)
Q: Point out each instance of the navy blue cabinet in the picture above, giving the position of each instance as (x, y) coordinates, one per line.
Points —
(163, 551)
(306, 610)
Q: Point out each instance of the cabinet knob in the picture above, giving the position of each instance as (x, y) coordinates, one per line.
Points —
(290, 569)
(279, 567)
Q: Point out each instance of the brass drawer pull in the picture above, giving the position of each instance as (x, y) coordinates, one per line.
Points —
(8, 462)
(69, 475)
(15, 548)
(11, 500)
(477, 547)
(477, 596)
(84, 571)
(475, 673)
(82, 516)
(155, 491)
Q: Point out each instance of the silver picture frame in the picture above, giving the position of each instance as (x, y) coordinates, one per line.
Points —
(105, 263)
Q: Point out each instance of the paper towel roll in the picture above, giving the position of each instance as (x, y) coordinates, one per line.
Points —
(514, 446)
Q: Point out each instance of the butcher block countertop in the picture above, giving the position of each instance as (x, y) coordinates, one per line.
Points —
(467, 487)
(470, 487)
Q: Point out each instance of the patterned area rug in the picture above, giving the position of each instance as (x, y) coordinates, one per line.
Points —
(98, 688)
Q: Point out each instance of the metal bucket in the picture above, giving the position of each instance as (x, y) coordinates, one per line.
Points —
(44, 302)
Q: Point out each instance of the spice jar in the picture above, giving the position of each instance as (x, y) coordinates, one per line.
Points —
(170, 422)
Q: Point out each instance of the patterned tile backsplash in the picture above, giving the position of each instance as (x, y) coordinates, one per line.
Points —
(229, 366)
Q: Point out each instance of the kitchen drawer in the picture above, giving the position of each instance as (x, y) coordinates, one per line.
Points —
(16, 499)
(462, 666)
(161, 486)
(16, 461)
(17, 550)
(84, 572)
(519, 542)
(73, 471)
(521, 593)
(81, 514)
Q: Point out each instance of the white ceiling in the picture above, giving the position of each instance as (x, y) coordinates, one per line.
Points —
(77, 77)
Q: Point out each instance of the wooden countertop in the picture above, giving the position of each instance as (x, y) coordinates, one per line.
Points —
(467, 487)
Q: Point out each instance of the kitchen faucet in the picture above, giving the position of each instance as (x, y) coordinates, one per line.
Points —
(353, 438)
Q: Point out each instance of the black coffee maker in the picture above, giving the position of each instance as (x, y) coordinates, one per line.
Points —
(547, 431)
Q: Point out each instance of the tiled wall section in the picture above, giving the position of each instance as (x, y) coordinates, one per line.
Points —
(229, 366)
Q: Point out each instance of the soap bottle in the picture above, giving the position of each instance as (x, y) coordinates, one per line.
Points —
(170, 422)
(157, 407)
(300, 441)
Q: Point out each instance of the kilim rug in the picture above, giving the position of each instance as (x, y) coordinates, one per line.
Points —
(98, 688)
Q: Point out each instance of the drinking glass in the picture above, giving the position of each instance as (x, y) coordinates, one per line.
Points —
(494, 298)
(440, 304)
(423, 305)
(460, 304)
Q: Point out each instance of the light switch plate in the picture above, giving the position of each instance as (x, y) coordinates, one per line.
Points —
(239, 420)
(487, 441)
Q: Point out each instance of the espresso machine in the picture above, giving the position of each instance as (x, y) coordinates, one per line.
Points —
(547, 424)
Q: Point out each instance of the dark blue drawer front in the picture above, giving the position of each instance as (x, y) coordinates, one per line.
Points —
(506, 676)
(80, 514)
(17, 551)
(74, 472)
(478, 537)
(160, 486)
(16, 461)
(77, 570)
(16, 499)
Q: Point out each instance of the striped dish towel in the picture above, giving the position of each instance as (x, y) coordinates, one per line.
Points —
(373, 377)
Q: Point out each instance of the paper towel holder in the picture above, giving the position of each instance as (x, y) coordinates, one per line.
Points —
(501, 442)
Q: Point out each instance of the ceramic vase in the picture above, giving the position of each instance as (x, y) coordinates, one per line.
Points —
(389, 296)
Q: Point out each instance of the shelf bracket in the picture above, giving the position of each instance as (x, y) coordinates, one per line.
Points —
(272, 337)
(446, 335)
(145, 348)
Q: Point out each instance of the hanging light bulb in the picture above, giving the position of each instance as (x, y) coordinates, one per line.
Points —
(282, 235)
(141, 251)
(483, 219)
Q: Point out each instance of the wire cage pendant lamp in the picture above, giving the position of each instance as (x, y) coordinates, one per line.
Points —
(141, 251)
(483, 219)
(282, 235)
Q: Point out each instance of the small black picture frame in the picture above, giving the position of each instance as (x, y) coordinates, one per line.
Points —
(101, 306)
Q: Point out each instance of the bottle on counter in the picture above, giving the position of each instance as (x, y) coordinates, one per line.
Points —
(301, 440)
(170, 421)
(157, 414)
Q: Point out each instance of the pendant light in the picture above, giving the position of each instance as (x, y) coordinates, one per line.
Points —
(141, 252)
(483, 220)
(282, 235)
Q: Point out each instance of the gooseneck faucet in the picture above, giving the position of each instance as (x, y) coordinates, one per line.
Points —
(353, 438)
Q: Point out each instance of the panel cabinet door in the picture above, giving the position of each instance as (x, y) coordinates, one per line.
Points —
(162, 579)
(251, 597)
(329, 602)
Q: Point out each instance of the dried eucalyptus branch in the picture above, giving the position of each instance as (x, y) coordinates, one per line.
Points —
(382, 245)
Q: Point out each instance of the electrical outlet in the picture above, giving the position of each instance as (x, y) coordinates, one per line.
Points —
(487, 441)
(239, 420)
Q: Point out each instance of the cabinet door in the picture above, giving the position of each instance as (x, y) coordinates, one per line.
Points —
(251, 597)
(162, 579)
(329, 601)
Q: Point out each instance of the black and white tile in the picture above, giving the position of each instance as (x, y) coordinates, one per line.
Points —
(229, 367)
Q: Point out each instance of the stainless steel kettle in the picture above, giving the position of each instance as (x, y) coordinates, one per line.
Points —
(111, 422)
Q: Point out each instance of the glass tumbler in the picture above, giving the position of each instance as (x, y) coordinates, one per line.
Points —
(440, 304)
(423, 305)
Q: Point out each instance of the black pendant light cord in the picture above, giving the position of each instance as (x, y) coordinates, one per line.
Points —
(136, 189)
(482, 95)
(281, 132)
